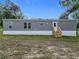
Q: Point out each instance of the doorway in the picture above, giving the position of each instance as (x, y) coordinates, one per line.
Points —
(56, 30)
(55, 26)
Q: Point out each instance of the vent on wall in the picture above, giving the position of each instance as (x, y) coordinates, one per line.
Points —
(42, 23)
(10, 26)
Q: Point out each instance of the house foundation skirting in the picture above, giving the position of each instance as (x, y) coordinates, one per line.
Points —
(64, 33)
(68, 33)
(28, 32)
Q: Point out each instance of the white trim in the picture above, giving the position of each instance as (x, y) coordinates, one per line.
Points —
(64, 33)
(68, 33)
(28, 32)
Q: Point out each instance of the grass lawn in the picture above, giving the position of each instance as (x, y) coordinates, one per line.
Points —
(31, 37)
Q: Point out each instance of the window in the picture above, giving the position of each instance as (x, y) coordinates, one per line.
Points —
(10, 26)
(54, 24)
(25, 25)
(29, 25)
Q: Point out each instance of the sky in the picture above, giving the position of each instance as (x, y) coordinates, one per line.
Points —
(40, 8)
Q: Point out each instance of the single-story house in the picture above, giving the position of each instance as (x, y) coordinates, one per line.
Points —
(38, 27)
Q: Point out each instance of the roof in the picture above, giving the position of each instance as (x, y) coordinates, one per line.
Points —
(37, 20)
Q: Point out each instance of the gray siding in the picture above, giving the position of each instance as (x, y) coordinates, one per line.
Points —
(67, 25)
(38, 25)
(35, 25)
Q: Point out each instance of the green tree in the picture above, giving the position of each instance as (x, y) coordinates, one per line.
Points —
(72, 7)
(9, 10)
(1, 14)
(13, 9)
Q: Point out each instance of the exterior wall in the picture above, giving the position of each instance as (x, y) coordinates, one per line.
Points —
(67, 25)
(19, 25)
(68, 28)
(38, 27)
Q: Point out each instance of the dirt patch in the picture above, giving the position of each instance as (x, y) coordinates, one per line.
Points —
(28, 49)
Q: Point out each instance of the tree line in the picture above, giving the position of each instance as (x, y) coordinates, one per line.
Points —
(9, 10)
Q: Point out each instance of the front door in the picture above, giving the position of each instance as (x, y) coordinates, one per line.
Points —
(55, 26)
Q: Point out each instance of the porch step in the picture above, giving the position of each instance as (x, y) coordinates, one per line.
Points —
(57, 33)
